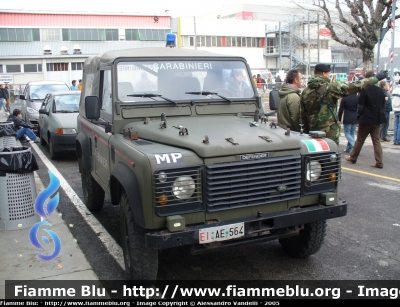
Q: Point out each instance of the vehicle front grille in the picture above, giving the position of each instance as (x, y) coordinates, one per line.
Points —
(251, 183)
(164, 198)
(328, 165)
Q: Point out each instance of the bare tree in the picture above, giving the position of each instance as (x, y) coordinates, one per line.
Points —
(355, 56)
(360, 18)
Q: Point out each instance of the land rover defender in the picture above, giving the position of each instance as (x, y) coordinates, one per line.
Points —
(180, 141)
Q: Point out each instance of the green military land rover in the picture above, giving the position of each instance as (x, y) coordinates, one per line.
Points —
(180, 140)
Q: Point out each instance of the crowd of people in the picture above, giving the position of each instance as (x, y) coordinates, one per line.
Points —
(76, 87)
(363, 107)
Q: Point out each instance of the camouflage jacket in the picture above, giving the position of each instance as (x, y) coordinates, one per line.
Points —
(318, 104)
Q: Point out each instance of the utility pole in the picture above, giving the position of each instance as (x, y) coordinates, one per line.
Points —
(391, 52)
(380, 34)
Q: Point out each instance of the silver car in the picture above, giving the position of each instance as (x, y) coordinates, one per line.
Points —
(58, 121)
(34, 93)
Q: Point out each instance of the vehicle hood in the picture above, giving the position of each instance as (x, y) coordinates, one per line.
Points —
(217, 129)
(67, 120)
(35, 104)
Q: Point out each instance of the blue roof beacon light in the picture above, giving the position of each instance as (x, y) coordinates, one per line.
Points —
(171, 40)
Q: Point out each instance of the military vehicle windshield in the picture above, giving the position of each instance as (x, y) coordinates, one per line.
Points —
(175, 79)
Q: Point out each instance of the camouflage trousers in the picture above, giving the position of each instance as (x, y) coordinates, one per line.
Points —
(332, 131)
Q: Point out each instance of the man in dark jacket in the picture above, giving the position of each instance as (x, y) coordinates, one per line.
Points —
(21, 127)
(348, 104)
(370, 115)
(289, 106)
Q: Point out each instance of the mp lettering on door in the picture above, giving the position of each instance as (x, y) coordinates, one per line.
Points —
(169, 158)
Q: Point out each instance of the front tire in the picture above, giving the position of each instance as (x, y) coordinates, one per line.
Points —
(141, 263)
(53, 154)
(42, 140)
(308, 242)
(93, 194)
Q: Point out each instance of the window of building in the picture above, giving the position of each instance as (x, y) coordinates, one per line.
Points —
(89, 34)
(191, 41)
(13, 68)
(1, 68)
(151, 34)
(57, 66)
(32, 67)
(324, 44)
(19, 35)
(111, 34)
(50, 34)
(77, 66)
(131, 34)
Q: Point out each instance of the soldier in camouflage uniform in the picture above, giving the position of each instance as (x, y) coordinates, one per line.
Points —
(319, 99)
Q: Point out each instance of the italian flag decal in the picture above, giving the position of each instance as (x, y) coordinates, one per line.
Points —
(316, 145)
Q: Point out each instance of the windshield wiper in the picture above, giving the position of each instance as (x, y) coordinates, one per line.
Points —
(209, 93)
(65, 111)
(149, 95)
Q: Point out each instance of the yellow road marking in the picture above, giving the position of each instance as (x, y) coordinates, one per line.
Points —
(371, 174)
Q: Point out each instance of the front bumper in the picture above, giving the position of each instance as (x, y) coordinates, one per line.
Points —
(263, 228)
(63, 142)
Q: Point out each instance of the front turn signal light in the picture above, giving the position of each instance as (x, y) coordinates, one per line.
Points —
(163, 199)
(332, 177)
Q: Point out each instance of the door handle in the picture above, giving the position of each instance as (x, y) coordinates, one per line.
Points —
(95, 141)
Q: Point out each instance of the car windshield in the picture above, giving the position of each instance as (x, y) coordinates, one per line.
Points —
(67, 103)
(40, 91)
(174, 79)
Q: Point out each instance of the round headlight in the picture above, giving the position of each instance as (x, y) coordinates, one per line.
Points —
(183, 187)
(162, 177)
(313, 171)
(333, 158)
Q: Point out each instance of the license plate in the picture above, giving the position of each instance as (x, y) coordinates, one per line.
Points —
(221, 233)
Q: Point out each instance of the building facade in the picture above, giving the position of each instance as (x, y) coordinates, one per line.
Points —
(53, 46)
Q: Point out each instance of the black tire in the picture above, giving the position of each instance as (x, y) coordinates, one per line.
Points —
(141, 263)
(93, 194)
(53, 154)
(42, 140)
(308, 242)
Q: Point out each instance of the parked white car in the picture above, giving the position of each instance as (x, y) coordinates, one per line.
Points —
(58, 120)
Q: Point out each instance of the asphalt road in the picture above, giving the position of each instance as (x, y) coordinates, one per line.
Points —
(364, 245)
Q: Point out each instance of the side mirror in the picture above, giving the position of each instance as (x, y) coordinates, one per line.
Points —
(22, 97)
(43, 111)
(92, 107)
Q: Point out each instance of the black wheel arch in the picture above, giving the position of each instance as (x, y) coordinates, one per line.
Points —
(125, 177)
(83, 149)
